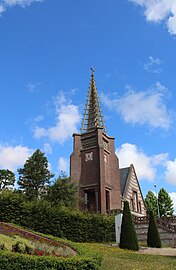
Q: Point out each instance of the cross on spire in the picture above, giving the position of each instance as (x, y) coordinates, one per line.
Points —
(92, 69)
(93, 117)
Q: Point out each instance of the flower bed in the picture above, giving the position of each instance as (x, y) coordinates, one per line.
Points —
(43, 245)
(48, 253)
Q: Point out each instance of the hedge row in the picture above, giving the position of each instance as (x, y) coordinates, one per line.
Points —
(41, 216)
(10, 261)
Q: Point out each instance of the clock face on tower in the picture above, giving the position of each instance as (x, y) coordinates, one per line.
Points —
(89, 156)
(105, 145)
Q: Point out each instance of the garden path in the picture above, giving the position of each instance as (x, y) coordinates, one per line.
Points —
(158, 251)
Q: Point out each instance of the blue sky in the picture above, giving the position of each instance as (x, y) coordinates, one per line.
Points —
(46, 51)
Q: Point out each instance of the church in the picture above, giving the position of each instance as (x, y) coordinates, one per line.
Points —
(94, 166)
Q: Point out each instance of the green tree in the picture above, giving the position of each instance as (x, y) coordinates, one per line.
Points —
(151, 203)
(11, 206)
(165, 203)
(7, 179)
(128, 237)
(63, 192)
(153, 236)
(35, 176)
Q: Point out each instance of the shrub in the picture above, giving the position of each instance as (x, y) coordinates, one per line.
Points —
(2, 246)
(11, 206)
(14, 261)
(153, 236)
(18, 247)
(73, 225)
(28, 250)
(128, 237)
(43, 217)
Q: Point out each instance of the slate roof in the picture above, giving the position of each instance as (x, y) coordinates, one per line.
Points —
(123, 178)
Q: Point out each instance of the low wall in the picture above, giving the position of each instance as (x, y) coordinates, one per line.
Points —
(166, 227)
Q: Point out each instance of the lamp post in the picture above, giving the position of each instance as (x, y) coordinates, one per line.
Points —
(157, 201)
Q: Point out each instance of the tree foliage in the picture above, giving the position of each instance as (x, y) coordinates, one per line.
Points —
(63, 192)
(128, 237)
(7, 179)
(11, 206)
(35, 176)
(165, 203)
(153, 236)
(151, 203)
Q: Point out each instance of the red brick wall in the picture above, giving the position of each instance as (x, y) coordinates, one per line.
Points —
(95, 172)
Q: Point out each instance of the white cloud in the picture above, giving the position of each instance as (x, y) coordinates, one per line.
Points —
(160, 10)
(38, 118)
(47, 148)
(171, 23)
(63, 164)
(160, 159)
(22, 3)
(171, 172)
(143, 107)
(2, 8)
(145, 166)
(4, 4)
(39, 132)
(13, 157)
(67, 119)
(152, 65)
(173, 198)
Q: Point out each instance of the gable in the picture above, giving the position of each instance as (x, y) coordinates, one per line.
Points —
(131, 190)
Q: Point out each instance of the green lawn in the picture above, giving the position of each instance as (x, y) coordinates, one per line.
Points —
(9, 241)
(113, 258)
(118, 259)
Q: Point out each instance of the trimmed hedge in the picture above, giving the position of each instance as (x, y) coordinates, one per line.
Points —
(41, 216)
(153, 236)
(128, 237)
(10, 261)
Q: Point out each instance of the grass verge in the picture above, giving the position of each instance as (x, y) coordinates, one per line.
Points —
(119, 259)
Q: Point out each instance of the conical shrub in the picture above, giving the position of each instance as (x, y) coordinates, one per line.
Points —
(153, 236)
(128, 237)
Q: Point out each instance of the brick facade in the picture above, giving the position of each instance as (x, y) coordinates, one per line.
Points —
(95, 168)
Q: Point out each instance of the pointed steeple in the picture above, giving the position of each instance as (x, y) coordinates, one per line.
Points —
(93, 117)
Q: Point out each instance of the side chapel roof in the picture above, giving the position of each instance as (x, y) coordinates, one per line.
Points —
(93, 116)
(124, 172)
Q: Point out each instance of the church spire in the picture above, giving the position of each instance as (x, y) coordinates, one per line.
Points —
(93, 113)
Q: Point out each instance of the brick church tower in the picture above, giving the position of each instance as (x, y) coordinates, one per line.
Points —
(93, 163)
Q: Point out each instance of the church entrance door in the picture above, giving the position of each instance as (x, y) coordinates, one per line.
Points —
(91, 200)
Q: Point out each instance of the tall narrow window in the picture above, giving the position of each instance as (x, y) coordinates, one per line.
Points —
(140, 208)
(107, 202)
(132, 204)
(85, 200)
(135, 201)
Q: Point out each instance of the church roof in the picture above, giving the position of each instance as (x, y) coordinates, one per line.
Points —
(93, 117)
(124, 172)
